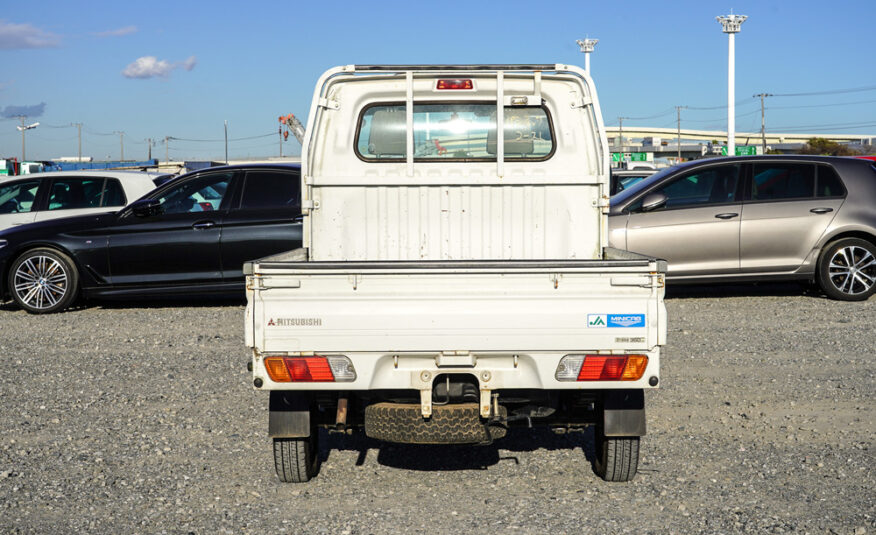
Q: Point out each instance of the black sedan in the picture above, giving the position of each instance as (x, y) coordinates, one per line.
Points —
(189, 236)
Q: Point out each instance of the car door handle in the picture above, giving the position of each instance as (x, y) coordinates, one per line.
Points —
(729, 215)
(201, 225)
(821, 210)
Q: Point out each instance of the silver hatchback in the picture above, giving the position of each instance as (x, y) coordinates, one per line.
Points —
(757, 218)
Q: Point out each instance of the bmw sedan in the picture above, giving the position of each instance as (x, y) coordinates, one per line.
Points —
(191, 235)
(757, 218)
(44, 196)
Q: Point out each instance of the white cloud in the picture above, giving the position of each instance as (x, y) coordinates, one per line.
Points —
(14, 36)
(127, 30)
(150, 67)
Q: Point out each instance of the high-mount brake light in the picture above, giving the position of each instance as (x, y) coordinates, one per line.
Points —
(454, 84)
(601, 367)
(316, 369)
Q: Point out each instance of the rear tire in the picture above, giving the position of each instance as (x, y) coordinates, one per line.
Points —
(43, 281)
(847, 269)
(296, 460)
(617, 458)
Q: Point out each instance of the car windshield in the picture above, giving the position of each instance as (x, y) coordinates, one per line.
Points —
(633, 189)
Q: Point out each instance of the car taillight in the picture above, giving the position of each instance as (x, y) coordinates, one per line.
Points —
(454, 84)
(316, 369)
(601, 367)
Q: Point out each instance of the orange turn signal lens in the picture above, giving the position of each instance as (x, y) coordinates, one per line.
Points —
(277, 370)
(635, 367)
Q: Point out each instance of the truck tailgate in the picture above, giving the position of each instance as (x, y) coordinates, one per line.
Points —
(567, 305)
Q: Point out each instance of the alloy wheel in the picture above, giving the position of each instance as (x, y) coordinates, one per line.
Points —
(852, 270)
(41, 282)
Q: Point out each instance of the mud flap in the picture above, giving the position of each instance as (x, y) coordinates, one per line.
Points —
(623, 413)
(289, 415)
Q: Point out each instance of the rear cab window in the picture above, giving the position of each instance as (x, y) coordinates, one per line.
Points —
(453, 132)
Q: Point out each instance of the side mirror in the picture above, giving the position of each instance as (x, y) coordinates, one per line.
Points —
(146, 207)
(653, 201)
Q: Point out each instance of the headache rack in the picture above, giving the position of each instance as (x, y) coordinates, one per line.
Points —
(321, 100)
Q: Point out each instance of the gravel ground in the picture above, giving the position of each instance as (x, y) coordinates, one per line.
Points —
(141, 419)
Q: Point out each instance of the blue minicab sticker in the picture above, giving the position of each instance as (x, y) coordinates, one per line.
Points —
(616, 320)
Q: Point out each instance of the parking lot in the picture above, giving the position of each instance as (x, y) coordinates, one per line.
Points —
(141, 418)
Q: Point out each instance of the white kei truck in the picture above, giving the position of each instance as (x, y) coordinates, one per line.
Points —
(455, 278)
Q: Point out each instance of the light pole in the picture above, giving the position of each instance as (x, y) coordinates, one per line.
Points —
(23, 129)
(587, 47)
(731, 24)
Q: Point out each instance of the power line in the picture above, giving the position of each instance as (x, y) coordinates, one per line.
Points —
(822, 126)
(667, 112)
(832, 92)
(742, 102)
(220, 140)
(820, 105)
(714, 119)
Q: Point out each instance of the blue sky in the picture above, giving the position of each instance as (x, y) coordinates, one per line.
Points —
(180, 69)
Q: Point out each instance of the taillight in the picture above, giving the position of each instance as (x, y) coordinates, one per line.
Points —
(316, 369)
(454, 84)
(601, 367)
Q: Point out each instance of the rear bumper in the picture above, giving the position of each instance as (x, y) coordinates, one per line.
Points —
(493, 372)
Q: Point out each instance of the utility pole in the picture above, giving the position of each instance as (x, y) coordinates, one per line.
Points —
(79, 135)
(731, 24)
(24, 129)
(122, 145)
(167, 149)
(620, 132)
(763, 121)
(226, 142)
(587, 46)
(678, 134)
(149, 144)
(280, 131)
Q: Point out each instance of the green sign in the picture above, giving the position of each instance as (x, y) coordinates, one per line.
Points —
(741, 150)
(629, 156)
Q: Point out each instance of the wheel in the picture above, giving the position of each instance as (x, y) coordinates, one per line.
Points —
(296, 460)
(617, 458)
(43, 280)
(847, 269)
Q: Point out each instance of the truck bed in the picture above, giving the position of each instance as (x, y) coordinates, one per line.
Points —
(456, 306)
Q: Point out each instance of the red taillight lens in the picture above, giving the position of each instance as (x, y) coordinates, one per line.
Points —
(602, 368)
(310, 369)
(299, 369)
(613, 367)
(454, 84)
